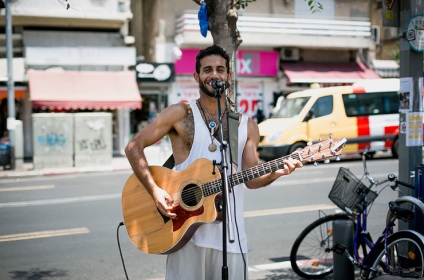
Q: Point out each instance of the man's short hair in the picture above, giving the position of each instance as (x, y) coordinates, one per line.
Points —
(212, 50)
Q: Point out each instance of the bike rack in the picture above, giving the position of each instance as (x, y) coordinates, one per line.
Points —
(343, 232)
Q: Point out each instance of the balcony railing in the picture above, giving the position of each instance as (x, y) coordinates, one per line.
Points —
(278, 32)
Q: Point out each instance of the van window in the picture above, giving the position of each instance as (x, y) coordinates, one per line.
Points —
(291, 107)
(322, 107)
(374, 103)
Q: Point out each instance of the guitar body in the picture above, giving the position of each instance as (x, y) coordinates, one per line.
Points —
(148, 229)
(194, 191)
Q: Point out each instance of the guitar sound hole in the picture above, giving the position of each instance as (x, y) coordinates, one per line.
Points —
(191, 195)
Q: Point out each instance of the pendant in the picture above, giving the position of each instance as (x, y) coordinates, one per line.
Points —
(212, 126)
(212, 147)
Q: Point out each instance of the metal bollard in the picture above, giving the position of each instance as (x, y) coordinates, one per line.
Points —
(343, 234)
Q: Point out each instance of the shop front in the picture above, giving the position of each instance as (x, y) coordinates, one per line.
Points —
(153, 80)
(257, 73)
(61, 91)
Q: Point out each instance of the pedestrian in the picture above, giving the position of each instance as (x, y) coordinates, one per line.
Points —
(260, 116)
(194, 133)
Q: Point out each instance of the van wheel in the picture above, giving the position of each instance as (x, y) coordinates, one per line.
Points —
(297, 147)
(395, 148)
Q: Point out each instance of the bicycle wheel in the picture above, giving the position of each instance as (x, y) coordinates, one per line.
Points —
(311, 255)
(412, 203)
(404, 256)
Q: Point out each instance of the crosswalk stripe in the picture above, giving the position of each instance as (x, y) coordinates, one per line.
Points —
(26, 188)
(60, 200)
(288, 210)
(42, 234)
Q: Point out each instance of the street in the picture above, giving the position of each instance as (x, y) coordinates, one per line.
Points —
(65, 227)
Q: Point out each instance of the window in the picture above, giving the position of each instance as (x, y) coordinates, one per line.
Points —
(375, 103)
(291, 107)
(322, 107)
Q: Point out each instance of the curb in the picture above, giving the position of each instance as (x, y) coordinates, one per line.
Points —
(53, 172)
(156, 155)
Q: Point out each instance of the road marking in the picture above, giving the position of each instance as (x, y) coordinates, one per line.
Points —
(288, 210)
(42, 234)
(270, 266)
(60, 200)
(27, 188)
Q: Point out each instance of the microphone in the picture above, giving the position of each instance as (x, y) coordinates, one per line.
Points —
(217, 84)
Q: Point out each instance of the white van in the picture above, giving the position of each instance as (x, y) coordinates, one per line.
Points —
(366, 114)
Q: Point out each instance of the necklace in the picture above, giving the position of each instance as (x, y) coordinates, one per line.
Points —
(212, 124)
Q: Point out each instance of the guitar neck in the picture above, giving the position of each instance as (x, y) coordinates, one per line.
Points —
(215, 186)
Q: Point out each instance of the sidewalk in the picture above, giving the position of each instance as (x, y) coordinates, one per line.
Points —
(156, 155)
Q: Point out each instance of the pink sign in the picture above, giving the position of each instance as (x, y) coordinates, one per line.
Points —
(250, 63)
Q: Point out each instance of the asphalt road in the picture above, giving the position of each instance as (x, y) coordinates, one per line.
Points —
(65, 227)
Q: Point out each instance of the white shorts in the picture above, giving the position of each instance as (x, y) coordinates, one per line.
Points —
(197, 263)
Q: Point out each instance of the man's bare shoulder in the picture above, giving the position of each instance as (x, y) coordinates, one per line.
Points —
(176, 111)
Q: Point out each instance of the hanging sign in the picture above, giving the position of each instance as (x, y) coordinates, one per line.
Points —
(154, 72)
(415, 33)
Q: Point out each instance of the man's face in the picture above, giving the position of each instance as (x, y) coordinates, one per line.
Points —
(211, 67)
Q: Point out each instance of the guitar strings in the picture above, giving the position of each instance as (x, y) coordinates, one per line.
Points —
(251, 172)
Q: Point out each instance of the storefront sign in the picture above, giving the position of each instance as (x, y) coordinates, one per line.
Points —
(257, 63)
(154, 72)
(248, 96)
(184, 90)
(249, 63)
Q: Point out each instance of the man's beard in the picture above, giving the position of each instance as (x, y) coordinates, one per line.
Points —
(203, 88)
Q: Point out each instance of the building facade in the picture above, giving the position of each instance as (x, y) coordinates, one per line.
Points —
(72, 56)
(285, 47)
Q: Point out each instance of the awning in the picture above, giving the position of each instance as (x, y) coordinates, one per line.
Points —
(19, 92)
(59, 89)
(386, 68)
(327, 72)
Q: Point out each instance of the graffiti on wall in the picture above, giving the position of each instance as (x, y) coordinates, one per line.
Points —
(93, 139)
(52, 138)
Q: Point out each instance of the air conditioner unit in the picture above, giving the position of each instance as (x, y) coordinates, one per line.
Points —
(375, 34)
(289, 54)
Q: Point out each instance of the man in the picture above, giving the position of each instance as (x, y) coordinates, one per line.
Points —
(194, 133)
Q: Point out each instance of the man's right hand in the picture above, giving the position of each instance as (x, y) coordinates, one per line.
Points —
(164, 202)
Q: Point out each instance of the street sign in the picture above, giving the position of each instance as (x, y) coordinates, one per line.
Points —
(391, 13)
(415, 33)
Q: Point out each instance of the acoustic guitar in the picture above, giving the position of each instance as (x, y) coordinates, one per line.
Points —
(194, 190)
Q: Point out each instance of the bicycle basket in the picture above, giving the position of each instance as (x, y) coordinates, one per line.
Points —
(349, 193)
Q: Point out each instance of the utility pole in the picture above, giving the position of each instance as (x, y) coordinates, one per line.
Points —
(10, 84)
(411, 66)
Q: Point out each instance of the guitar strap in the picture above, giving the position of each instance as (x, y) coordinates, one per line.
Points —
(233, 136)
(170, 162)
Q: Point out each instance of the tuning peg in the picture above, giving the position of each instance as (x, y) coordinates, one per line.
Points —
(316, 163)
(326, 160)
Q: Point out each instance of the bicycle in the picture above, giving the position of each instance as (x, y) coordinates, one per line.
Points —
(311, 255)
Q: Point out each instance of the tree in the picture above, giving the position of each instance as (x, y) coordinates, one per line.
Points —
(222, 18)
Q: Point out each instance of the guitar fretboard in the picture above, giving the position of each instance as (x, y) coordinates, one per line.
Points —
(215, 186)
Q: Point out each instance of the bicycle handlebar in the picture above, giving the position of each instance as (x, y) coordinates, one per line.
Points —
(390, 178)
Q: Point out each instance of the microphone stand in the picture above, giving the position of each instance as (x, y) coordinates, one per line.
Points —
(226, 209)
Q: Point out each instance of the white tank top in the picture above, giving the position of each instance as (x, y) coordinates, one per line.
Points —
(210, 235)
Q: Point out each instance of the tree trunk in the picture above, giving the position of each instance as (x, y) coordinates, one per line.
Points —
(223, 16)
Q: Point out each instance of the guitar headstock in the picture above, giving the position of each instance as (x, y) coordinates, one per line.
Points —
(322, 150)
